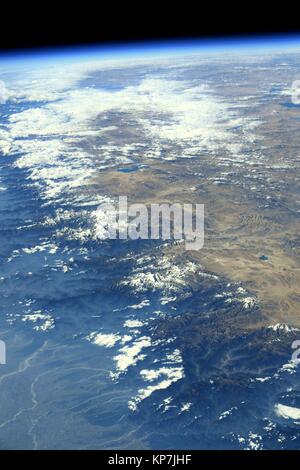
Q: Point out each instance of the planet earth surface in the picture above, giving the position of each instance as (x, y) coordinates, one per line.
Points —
(142, 344)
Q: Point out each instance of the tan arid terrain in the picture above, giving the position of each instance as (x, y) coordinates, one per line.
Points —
(238, 228)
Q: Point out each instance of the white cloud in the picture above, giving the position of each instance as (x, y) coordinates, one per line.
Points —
(42, 321)
(170, 375)
(101, 339)
(130, 355)
(184, 118)
(185, 407)
(287, 412)
(133, 323)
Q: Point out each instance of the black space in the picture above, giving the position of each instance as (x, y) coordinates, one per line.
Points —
(50, 25)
